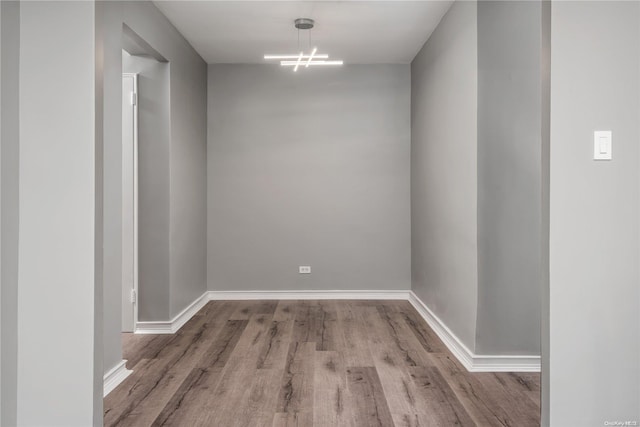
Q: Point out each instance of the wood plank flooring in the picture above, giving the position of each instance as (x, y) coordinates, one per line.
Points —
(311, 363)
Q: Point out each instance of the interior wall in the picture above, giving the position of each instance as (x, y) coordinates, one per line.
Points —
(110, 24)
(545, 74)
(444, 91)
(188, 167)
(98, 223)
(186, 266)
(154, 155)
(9, 158)
(56, 214)
(594, 297)
(310, 168)
(509, 178)
(0, 211)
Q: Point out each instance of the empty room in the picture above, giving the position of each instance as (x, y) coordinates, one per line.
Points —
(320, 213)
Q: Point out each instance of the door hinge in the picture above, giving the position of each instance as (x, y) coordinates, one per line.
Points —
(134, 98)
(134, 297)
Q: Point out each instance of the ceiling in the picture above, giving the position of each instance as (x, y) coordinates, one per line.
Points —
(358, 32)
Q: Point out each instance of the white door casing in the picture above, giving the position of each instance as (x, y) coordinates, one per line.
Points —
(129, 201)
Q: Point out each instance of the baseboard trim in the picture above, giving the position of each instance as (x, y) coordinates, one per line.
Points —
(453, 343)
(307, 295)
(114, 377)
(500, 363)
(473, 362)
(172, 326)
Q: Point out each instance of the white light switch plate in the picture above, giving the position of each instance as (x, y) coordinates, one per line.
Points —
(602, 145)
(304, 269)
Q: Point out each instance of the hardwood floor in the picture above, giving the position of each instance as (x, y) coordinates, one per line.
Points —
(311, 363)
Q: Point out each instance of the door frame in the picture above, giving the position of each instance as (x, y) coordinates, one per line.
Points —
(134, 102)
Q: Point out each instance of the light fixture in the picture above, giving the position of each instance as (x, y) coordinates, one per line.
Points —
(301, 59)
(294, 63)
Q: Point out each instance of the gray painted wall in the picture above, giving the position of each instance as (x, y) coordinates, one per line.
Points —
(509, 178)
(57, 177)
(188, 175)
(154, 153)
(1, 204)
(186, 267)
(0, 210)
(444, 90)
(476, 196)
(98, 226)
(545, 73)
(594, 297)
(187, 210)
(109, 25)
(311, 169)
(9, 154)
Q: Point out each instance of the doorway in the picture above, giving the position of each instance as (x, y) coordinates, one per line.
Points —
(129, 201)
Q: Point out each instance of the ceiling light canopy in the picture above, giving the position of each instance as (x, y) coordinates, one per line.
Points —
(313, 58)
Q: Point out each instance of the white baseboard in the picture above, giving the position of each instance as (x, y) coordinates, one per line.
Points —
(501, 363)
(453, 343)
(473, 362)
(307, 295)
(114, 377)
(172, 326)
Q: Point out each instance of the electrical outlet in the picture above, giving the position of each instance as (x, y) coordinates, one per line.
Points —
(304, 269)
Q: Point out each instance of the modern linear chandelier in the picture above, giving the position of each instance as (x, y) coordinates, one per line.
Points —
(301, 59)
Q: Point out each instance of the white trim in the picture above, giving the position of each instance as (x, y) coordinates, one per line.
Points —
(473, 362)
(453, 343)
(172, 326)
(307, 295)
(135, 202)
(114, 377)
(134, 77)
(502, 363)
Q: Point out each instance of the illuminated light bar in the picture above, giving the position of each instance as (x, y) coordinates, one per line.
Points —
(318, 56)
(298, 62)
(295, 63)
(315, 49)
